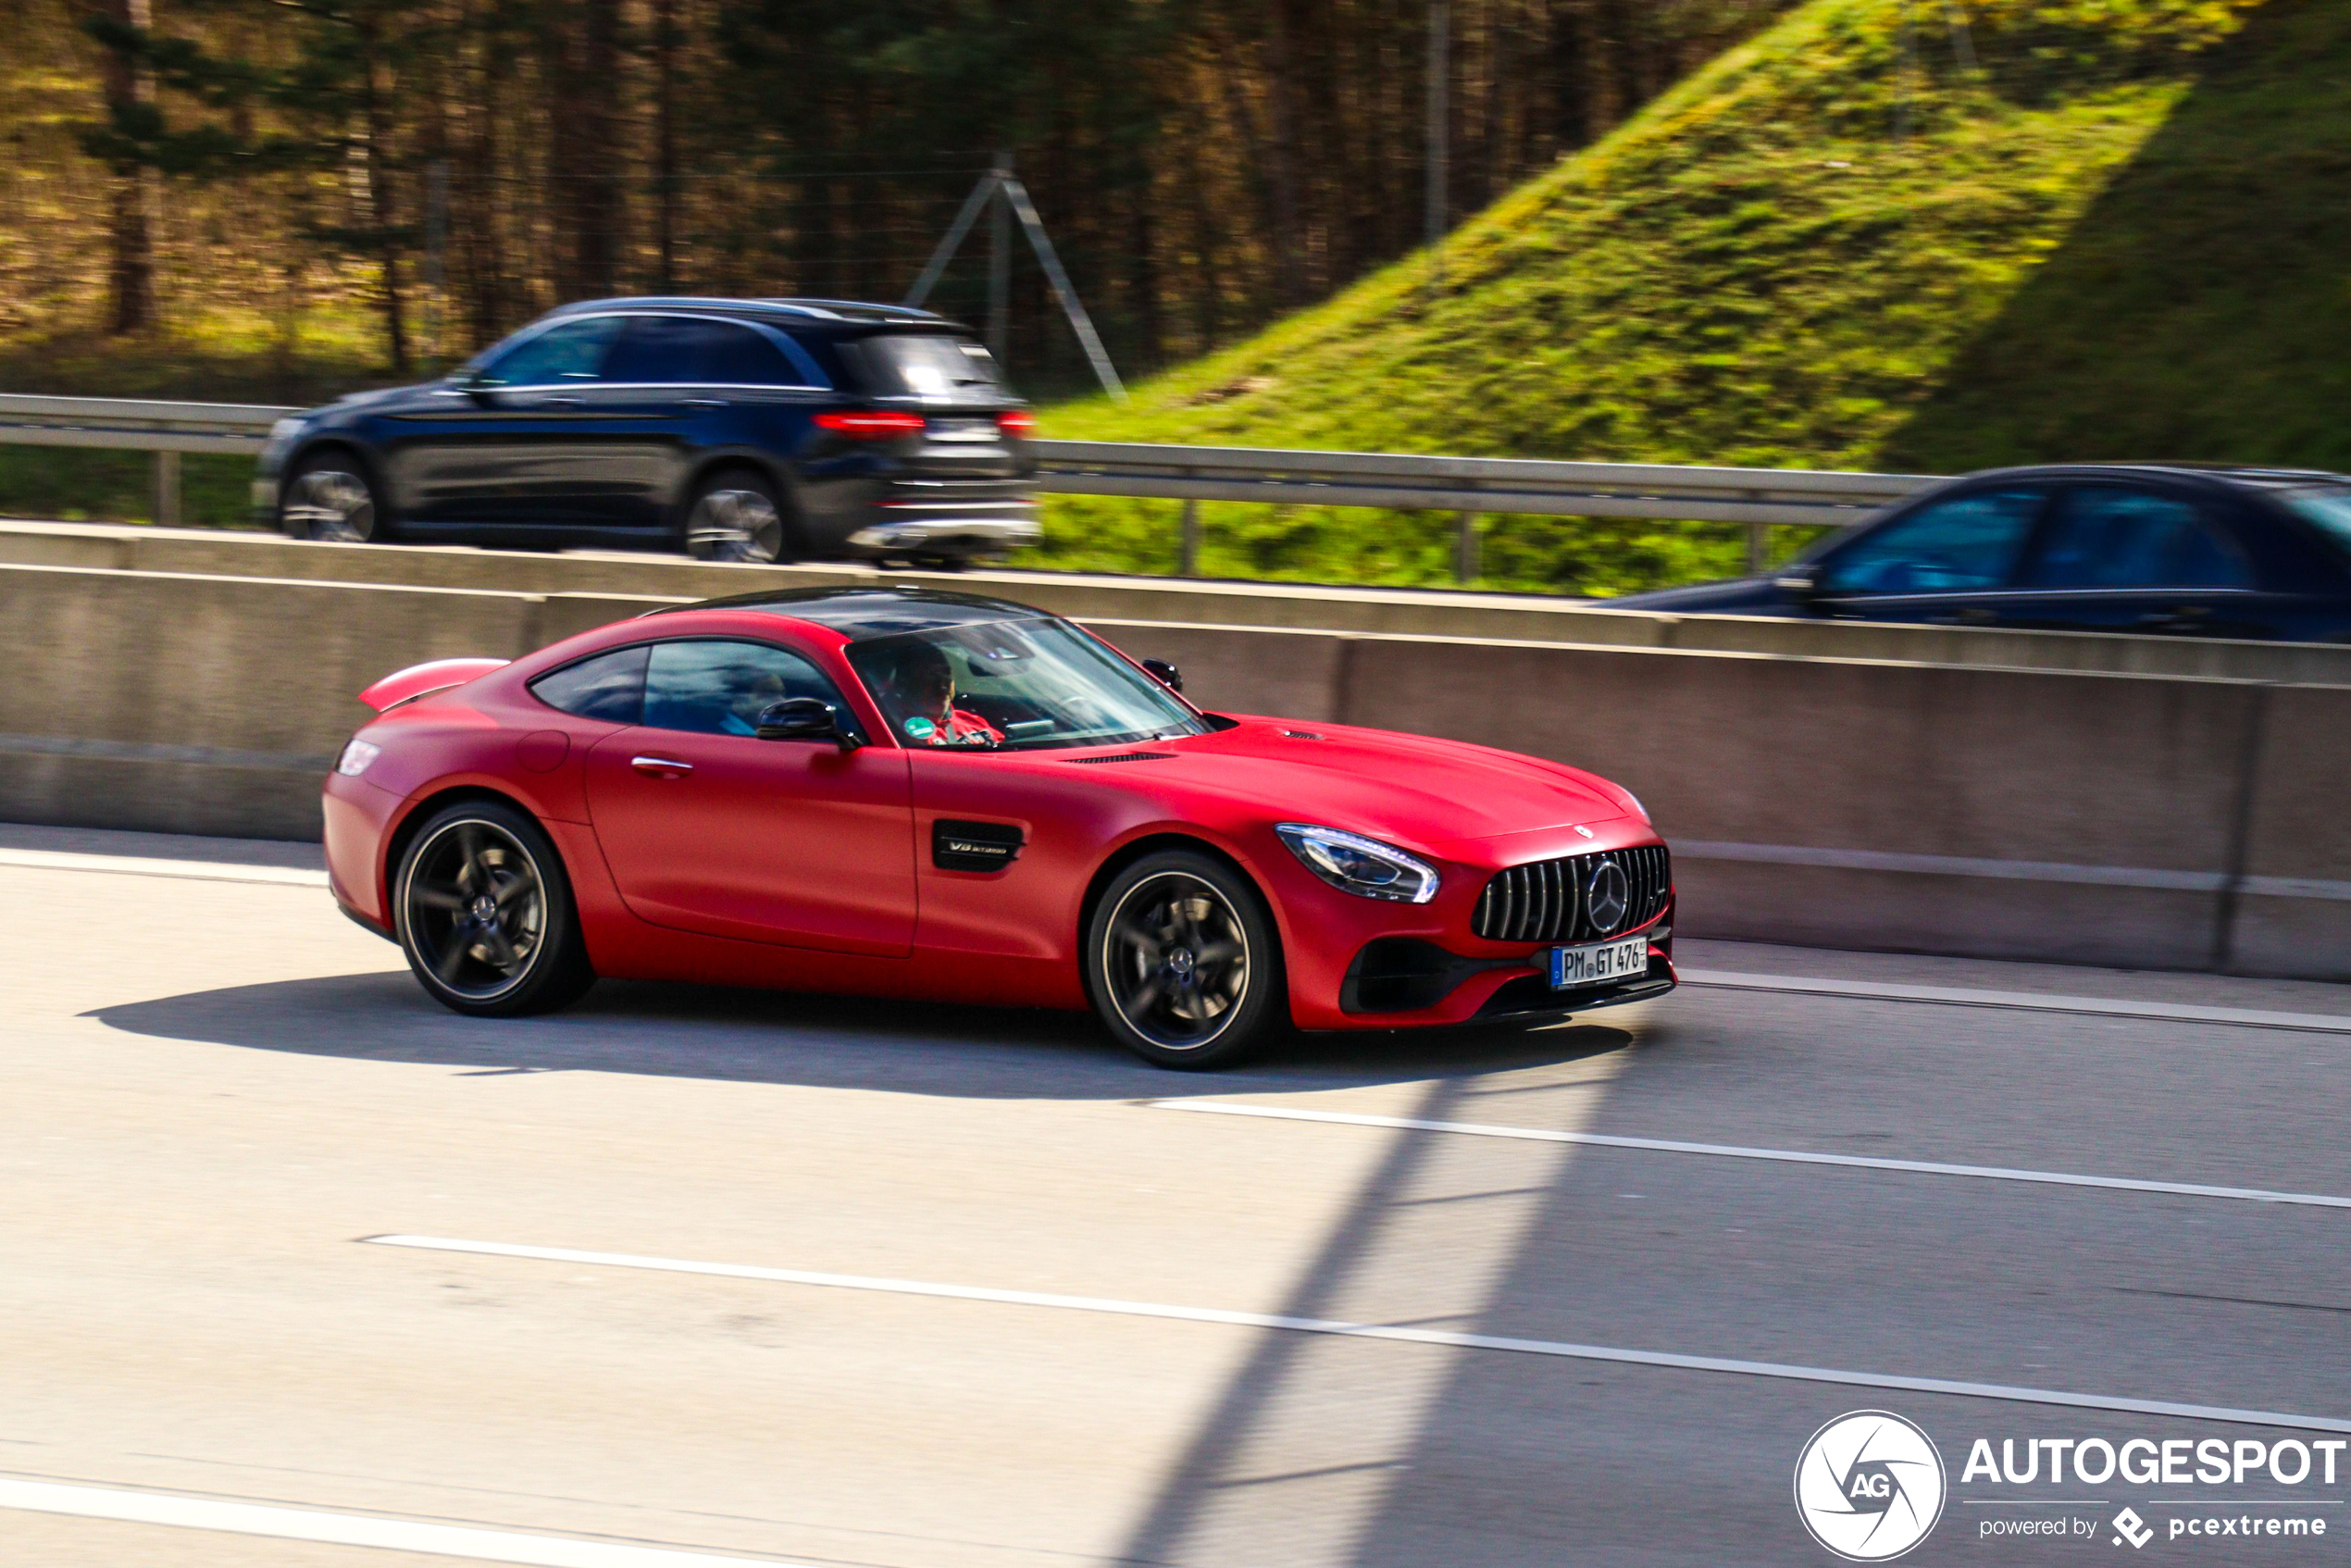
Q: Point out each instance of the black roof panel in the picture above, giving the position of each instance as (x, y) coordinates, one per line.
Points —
(865, 612)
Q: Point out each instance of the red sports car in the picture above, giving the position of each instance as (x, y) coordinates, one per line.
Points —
(925, 794)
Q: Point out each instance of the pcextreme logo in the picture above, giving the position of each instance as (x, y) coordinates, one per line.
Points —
(1869, 1485)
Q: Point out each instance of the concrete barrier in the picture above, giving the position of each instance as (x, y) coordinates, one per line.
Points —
(2291, 914)
(213, 704)
(2159, 821)
(1400, 612)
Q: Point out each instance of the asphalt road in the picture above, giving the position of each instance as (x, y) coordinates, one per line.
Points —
(1044, 1336)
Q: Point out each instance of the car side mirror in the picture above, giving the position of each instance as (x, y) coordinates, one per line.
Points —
(1799, 577)
(1167, 675)
(806, 718)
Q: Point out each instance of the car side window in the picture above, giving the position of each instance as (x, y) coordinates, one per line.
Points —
(1963, 544)
(687, 351)
(609, 687)
(562, 355)
(714, 687)
(2117, 536)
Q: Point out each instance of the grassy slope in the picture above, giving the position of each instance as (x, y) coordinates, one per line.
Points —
(2124, 233)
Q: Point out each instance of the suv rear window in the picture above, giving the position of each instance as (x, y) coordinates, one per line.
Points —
(934, 366)
(2331, 509)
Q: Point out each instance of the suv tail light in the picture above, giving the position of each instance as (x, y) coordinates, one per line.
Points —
(876, 424)
(1017, 422)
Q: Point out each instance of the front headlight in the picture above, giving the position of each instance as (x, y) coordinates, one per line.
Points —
(1356, 864)
(281, 437)
(356, 755)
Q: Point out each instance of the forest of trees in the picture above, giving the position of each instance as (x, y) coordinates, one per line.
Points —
(423, 175)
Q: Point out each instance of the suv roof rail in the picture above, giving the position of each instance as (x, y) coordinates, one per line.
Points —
(817, 309)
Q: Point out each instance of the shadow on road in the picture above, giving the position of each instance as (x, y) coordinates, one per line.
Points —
(822, 1041)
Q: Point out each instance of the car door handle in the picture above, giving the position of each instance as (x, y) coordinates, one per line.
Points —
(661, 768)
(705, 402)
(561, 402)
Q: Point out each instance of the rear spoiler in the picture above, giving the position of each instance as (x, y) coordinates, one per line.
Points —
(422, 680)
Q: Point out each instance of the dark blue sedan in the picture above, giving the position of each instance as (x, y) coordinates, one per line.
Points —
(737, 429)
(2138, 548)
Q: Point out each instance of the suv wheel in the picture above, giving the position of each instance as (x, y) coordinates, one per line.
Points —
(734, 517)
(328, 497)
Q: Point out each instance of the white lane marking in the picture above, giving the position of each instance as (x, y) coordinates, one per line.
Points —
(350, 1529)
(1443, 1337)
(186, 870)
(1738, 1151)
(2034, 1002)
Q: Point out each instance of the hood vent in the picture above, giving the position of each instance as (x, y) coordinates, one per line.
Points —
(1125, 756)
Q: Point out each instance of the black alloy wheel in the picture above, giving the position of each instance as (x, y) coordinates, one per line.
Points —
(735, 517)
(1183, 963)
(485, 913)
(329, 498)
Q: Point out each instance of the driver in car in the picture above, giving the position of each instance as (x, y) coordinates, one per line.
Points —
(923, 684)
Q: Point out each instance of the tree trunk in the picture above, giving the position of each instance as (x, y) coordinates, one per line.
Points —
(666, 141)
(380, 208)
(134, 202)
(584, 146)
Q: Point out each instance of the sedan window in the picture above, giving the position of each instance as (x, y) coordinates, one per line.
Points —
(721, 688)
(563, 354)
(2115, 536)
(1964, 543)
(610, 687)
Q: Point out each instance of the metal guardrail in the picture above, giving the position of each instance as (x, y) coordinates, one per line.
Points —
(1469, 487)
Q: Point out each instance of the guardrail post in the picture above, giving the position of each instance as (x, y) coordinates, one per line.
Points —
(1465, 562)
(1188, 554)
(166, 490)
(1758, 545)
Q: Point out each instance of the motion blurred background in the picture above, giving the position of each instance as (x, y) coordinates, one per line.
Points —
(1921, 235)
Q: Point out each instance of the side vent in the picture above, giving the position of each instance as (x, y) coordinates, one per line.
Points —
(974, 846)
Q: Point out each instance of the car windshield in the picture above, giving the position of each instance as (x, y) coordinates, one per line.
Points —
(2331, 509)
(934, 366)
(1015, 685)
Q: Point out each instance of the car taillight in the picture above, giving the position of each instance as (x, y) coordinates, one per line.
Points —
(871, 423)
(1018, 422)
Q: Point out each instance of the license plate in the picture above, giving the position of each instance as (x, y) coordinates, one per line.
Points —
(962, 429)
(1599, 963)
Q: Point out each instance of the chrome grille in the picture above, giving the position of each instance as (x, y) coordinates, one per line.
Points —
(1544, 901)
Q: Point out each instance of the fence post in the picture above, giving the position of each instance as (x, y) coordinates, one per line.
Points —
(1465, 562)
(166, 490)
(1188, 554)
(1758, 545)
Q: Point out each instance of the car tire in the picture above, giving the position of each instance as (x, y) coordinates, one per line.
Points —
(329, 497)
(484, 913)
(735, 516)
(1149, 974)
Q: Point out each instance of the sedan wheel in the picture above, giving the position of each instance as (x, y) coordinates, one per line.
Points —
(330, 504)
(485, 916)
(1185, 968)
(733, 522)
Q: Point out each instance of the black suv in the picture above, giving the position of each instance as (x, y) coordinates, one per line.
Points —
(738, 430)
(2139, 548)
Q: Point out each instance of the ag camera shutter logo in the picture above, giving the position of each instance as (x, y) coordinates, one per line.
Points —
(1869, 1485)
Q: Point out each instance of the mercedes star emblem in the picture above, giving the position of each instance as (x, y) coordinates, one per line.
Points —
(1607, 897)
